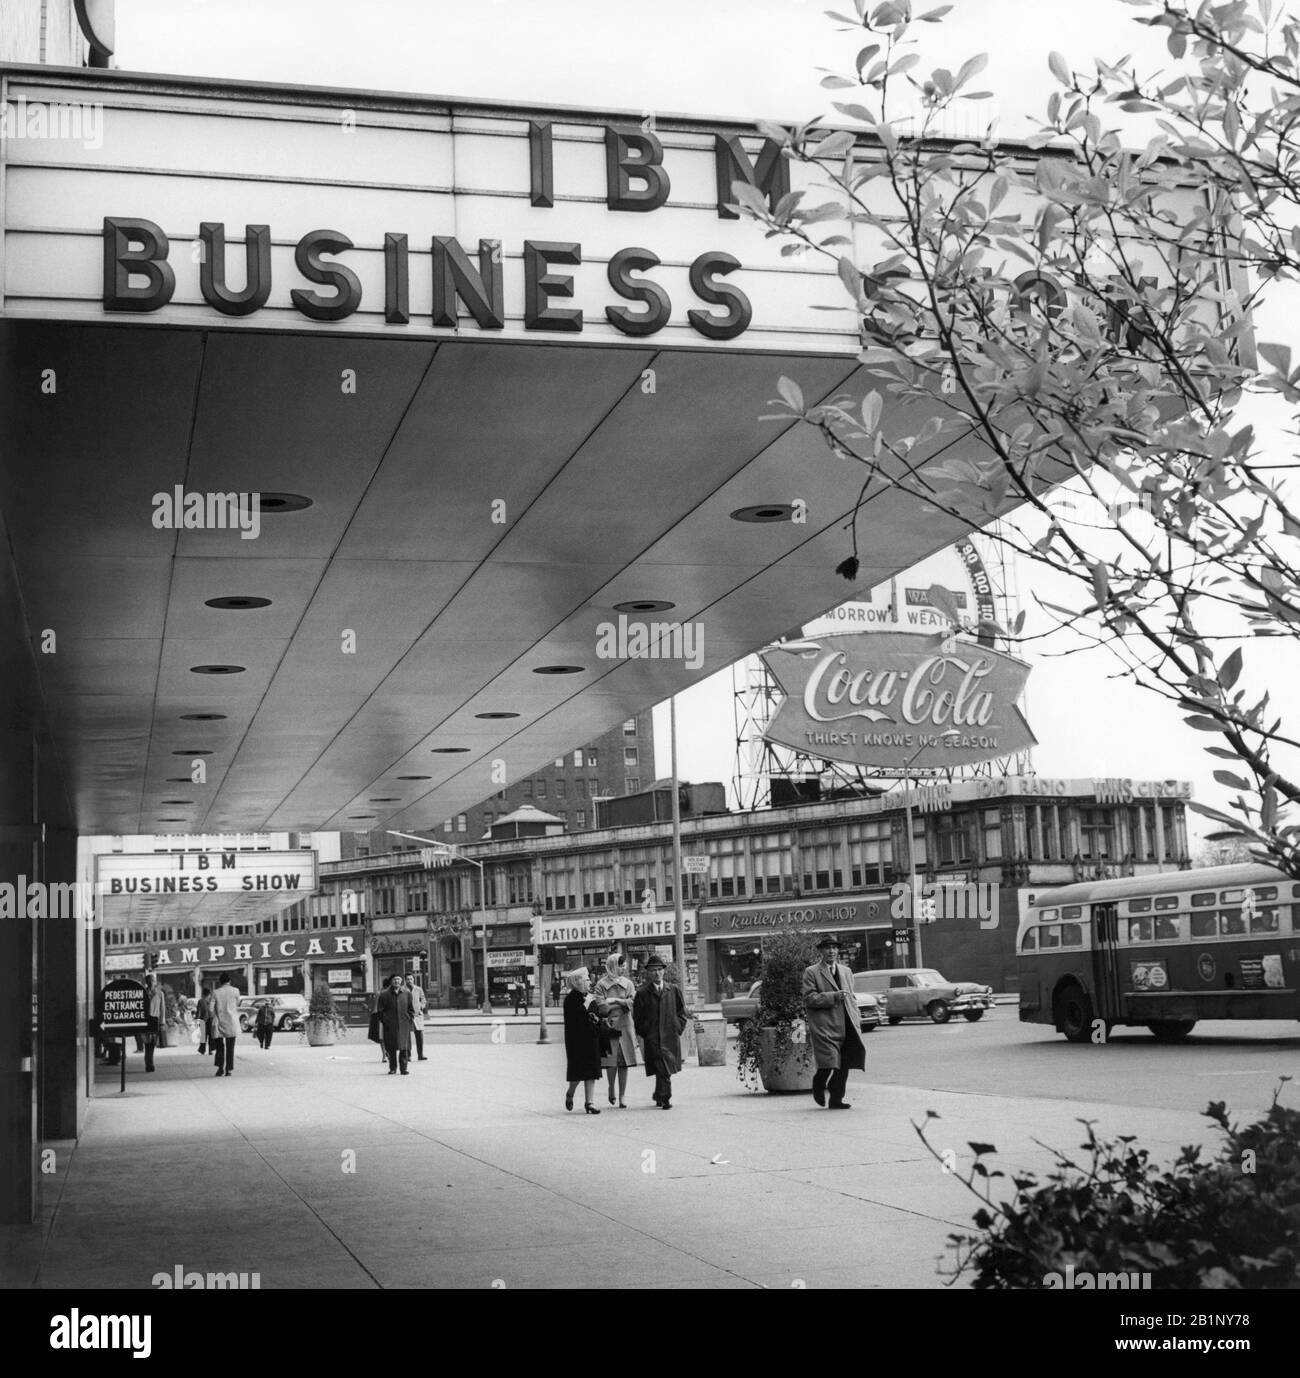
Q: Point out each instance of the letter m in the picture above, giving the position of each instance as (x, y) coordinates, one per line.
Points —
(771, 174)
(115, 1332)
(224, 1280)
(1114, 1281)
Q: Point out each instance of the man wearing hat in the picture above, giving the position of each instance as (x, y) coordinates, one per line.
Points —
(832, 1024)
(659, 1017)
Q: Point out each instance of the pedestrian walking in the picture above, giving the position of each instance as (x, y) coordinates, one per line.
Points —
(614, 997)
(225, 1002)
(265, 1025)
(396, 1018)
(581, 1042)
(832, 1025)
(521, 997)
(205, 1020)
(156, 1003)
(555, 989)
(418, 1005)
(659, 1016)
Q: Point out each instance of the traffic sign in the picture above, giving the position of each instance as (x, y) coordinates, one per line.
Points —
(902, 935)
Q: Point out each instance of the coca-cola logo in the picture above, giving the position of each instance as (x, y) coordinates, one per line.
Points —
(895, 698)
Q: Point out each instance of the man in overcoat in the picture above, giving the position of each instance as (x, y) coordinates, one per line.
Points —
(418, 1005)
(225, 1007)
(659, 1017)
(156, 1000)
(397, 1018)
(832, 1024)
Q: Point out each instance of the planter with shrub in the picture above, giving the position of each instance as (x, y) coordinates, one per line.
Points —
(773, 1048)
(323, 1021)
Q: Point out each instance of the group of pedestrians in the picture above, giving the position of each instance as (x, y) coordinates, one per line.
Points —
(399, 1017)
(599, 1029)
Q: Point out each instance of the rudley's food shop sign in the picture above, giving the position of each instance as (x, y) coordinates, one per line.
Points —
(892, 699)
(198, 873)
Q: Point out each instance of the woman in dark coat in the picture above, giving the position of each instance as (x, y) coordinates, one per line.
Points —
(581, 1042)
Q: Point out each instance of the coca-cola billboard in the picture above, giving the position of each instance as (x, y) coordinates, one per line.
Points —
(892, 699)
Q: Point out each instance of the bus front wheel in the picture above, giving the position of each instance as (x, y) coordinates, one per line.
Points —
(1171, 1030)
(1074, 1015)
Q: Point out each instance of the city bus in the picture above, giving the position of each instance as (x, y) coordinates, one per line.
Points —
(1220, 942)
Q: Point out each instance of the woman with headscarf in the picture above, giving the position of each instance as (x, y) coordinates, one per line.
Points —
(581, 1042)
(614, 996)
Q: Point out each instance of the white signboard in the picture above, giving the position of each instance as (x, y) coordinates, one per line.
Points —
(506, 957)
(614, 928)
(695, 865)
(196, 873)
(124, 961)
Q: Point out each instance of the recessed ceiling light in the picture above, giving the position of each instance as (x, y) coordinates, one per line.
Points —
(203, 717)
(179, 780)
(360, 817)
(644, 605)
(195, 752)
(448, 750)
(217, 669)
(282, 502)
(496, 715)
(415, 777)
(384, 801)
(178, 801)
(764, 512)
(237, 603)
(170, 820)
(559, 670)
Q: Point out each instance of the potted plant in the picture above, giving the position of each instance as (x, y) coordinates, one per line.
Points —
(323, 1020)
(773, 1047)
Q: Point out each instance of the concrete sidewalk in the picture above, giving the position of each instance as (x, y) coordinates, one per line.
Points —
(302, 1166)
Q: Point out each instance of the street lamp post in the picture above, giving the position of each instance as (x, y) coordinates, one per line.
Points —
(911, 845)
(449, 850)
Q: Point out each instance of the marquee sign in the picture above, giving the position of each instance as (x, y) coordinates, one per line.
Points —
(194, 873)
(887, 699)
(279, 948)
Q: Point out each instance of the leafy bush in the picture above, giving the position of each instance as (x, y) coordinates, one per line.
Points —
(322, 1006)
(1227, 1223)
(786, 954)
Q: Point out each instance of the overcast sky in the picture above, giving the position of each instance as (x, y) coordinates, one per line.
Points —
(740, 58)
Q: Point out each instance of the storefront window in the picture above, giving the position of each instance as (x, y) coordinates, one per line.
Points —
(728, 870)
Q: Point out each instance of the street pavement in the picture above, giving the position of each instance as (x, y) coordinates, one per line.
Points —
(313, 1168)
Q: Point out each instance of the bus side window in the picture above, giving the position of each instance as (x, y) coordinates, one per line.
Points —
(1264, 921)
(1230, 921)
(1166, 929)
(1139, 930)
(1203, 925)
(1203, 899)
(1071, 935)
(1049, 935)
(1030, 943)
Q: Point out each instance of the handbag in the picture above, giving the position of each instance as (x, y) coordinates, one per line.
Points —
(373, 1033)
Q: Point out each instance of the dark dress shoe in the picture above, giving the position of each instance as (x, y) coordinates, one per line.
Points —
(665, 1105)
(422, 1058)
(839, 1105)
(220, 1073)
(392, 1071)
(819, 1095)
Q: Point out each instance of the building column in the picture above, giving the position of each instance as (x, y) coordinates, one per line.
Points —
(19, 849)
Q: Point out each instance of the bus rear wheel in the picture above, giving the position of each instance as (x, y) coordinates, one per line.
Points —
(1171, 1030)
(1074, 1014)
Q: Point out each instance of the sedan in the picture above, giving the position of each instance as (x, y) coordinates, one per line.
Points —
(736, 1009)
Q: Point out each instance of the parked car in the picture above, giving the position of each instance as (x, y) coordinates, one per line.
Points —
(738, 1008)
(909, 992)
(290, 1010)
